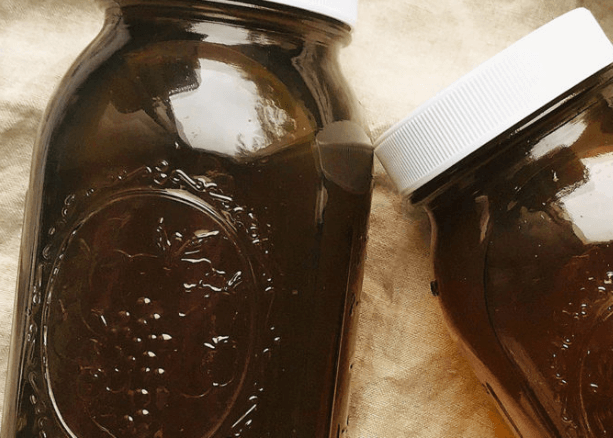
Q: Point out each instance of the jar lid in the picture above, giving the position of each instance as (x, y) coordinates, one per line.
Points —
(492, 98)
(342, 10)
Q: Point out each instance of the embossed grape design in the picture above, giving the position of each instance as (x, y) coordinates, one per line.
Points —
(149, 319)
(582, 361)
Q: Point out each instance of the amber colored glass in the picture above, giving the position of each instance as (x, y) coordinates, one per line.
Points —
(523, 258)
(195, 230)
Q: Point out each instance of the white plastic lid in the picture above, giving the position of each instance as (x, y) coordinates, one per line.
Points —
(342, 10)
(492, 98)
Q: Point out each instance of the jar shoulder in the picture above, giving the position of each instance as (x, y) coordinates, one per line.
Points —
(230, 97)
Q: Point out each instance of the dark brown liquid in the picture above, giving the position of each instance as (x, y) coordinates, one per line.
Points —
(524, 264)
(189, 288)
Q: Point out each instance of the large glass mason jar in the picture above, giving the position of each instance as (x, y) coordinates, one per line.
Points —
(195, 228)
(516, 174)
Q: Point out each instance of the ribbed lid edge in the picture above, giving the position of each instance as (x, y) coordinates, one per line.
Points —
(345, 11)
(492, 98)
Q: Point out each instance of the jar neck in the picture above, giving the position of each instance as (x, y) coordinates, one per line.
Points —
(260, 15)
(508, 150)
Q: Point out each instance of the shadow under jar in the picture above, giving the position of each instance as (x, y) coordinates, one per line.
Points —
(523, 230)
(195, 230)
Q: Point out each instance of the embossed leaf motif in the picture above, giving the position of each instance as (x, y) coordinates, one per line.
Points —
(582, 362)
(597, 380)
(149, 320)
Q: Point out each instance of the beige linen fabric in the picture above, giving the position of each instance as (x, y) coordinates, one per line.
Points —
(410, 380)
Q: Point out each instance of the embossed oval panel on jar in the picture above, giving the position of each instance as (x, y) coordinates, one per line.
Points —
(549, 287)
(149, 319)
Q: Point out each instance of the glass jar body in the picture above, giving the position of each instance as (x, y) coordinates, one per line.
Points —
(523, 262)
(195, 228)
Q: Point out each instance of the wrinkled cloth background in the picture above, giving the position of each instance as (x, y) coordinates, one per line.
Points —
(410, 380)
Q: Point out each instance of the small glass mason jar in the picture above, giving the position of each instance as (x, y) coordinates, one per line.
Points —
(195, 228)
(514, 165)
